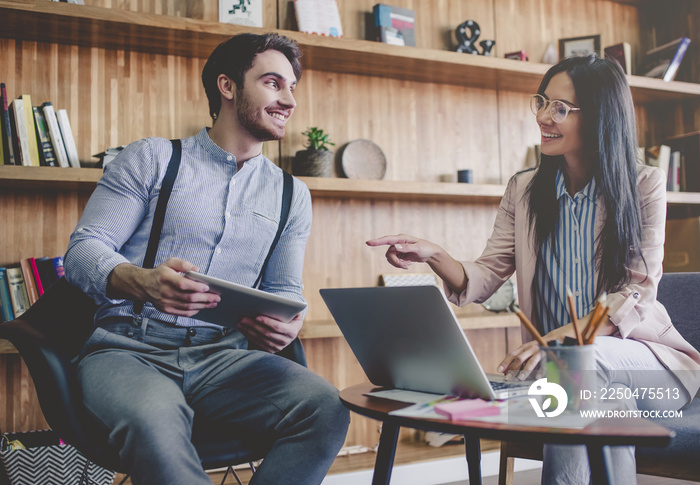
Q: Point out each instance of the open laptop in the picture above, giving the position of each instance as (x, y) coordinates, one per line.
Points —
(409, 338)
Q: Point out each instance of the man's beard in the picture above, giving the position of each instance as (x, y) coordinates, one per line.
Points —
(249, 119)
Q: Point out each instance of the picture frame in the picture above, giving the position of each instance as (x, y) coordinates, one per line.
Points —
(579, 46)
(241, 12)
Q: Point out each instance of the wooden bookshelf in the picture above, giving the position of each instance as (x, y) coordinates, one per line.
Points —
(63, 23)
(86, 178)
(41, 178)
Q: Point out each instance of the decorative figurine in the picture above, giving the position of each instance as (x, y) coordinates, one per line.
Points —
(467, 34)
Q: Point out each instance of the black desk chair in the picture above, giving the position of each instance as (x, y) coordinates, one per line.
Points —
(51, 333)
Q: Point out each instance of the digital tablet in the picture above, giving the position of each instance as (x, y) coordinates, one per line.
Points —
(239, 301)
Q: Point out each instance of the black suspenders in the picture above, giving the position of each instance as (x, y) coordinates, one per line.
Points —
(164, 196)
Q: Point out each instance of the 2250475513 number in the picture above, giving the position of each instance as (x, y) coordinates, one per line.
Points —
(639, 393)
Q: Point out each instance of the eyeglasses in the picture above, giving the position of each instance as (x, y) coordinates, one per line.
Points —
(558, 110)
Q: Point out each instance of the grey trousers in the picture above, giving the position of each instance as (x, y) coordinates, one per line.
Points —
(147, 383)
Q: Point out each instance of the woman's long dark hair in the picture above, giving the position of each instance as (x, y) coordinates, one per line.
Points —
(611, 134)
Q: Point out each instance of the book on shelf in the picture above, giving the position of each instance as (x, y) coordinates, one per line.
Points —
(29, 281)
(31, 130)
(241, 12)
(19, 127)
(18, 291)
(663, 61)
(318, 17)
(55, 135)
(8, 145)
(108, 155)
(394, 25)
(688, 147)
(47, 157)
(2, 145)
(673, 183)
(7, 313)
(58, 267)
(622, 53)
(37, 278)
(47, 270)
(68, 140)
(659, 156)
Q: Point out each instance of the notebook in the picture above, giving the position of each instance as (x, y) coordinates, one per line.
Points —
(409, 338)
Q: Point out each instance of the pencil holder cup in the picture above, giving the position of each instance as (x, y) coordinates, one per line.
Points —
(570, 372)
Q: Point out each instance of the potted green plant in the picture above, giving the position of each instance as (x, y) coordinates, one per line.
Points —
(316, 160)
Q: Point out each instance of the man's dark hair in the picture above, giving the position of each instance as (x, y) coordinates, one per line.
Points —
(235, 56)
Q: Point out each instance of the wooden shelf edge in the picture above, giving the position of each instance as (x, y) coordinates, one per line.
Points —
(683, 198)
(15, 176)
(47, 21)
(328, 329)
(402, 190)
(21, 177)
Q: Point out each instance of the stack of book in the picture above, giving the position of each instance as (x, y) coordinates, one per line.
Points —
(23, 283)
(394, 25)
(679, 157)
(35, 135)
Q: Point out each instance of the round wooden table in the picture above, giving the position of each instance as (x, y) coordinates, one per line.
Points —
(597, 436)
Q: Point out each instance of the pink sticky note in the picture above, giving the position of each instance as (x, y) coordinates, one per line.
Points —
(467, 408)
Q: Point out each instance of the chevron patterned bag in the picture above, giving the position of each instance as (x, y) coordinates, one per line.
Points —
(41, 459)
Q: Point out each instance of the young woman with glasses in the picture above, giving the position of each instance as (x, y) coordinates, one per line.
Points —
(590, 218)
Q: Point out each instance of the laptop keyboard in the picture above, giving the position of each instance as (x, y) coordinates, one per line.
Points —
(505, 385)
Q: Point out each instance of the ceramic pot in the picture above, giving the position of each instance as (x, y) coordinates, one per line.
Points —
(313, 163)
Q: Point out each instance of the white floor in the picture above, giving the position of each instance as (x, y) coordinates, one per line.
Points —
(437, 472)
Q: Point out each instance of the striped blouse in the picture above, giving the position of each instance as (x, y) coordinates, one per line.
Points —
(219, 218)
(572, 264)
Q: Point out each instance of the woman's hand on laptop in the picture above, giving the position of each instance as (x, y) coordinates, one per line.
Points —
(270, 334)
(521, 362)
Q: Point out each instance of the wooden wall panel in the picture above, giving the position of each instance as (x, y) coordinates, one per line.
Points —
(37, 223)
(112, 97)
(427, 131)
(19, 407)
(436, 20)
(532, 24)
(195, 9)
(337, 256)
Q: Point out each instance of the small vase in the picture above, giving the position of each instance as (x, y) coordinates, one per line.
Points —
(313, 163)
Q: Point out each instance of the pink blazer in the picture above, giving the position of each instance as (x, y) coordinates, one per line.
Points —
(634, 309)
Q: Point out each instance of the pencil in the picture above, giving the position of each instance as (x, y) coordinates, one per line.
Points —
(596, 325)
(594, 316)
(574, 318)
(530, 327)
